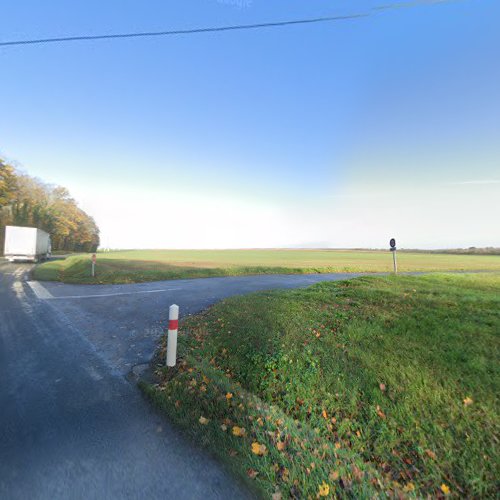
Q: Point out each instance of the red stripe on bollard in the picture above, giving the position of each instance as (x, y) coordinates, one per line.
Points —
(173, 324)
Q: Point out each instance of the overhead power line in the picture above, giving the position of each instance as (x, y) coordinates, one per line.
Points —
(184, 32)
(216, 29)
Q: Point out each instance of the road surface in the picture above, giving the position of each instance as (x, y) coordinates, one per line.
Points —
(71, 425)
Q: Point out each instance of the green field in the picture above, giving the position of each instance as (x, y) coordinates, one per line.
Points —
(364, 388)
(153, 265)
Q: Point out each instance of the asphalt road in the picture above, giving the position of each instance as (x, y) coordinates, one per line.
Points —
(71, 425)
(124, 322)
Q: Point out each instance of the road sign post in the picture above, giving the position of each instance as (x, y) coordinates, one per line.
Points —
(173, 325)
(394, 259)
(94, 258)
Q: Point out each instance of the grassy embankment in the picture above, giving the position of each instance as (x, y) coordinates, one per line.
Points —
(373, 386)
(153, 265)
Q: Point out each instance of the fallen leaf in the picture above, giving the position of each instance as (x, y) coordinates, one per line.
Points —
(258, 449)
(280, 445)
(252, 473)
(337, 445)
(238, 431)
(445, 489)
(409, 488)
(285, 474)
(324, 490)
(229, 395)
(325, 415)
(380, 413)
(468, 401)
(382, 387)
(224, 427)
(357, 473)
(276, 496)
(203, 421)
(334, 475)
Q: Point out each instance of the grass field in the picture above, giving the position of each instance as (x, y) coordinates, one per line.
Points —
(152, 265)
(369, 387)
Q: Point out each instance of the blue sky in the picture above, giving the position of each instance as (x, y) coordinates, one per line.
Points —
(337, 134)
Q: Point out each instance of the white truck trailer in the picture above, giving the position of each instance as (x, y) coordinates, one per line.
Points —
(26, 243)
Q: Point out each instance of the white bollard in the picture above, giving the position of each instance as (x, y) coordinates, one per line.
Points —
(173, 325)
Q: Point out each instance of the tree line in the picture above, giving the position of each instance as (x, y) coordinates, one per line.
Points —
(26, 201)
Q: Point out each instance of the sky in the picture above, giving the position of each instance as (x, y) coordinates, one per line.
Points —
(340, 134)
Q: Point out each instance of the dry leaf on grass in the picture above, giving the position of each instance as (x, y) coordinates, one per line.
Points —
(445, 489)
(334, 475)
(252, 473)
(258, 449)
(324, 489)
(238, 431)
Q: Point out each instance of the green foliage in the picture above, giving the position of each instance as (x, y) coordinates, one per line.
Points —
(25, 201)
(153, 265)
(399, 373)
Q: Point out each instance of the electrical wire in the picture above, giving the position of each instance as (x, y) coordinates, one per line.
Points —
(217, 29)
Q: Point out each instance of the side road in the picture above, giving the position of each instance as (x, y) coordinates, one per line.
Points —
(71, 427)
(123, 322)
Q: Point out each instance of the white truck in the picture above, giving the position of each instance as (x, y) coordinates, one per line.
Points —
(26, 243)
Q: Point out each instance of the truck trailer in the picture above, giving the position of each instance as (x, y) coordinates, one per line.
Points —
(26, 243)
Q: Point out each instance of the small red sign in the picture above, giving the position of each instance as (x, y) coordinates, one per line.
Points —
(94, 258)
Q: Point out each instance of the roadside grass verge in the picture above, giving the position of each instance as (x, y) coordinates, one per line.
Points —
(154, 265)
(384, 386)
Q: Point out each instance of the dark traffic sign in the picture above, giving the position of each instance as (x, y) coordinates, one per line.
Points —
(392, 243)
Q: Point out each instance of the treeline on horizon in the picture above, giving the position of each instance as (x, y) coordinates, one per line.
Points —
(460, 251)
(26, 201)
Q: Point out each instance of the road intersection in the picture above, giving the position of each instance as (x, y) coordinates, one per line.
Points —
(71, 425)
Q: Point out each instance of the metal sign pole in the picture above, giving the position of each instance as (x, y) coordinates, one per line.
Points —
(94, 258)
(392, 243)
